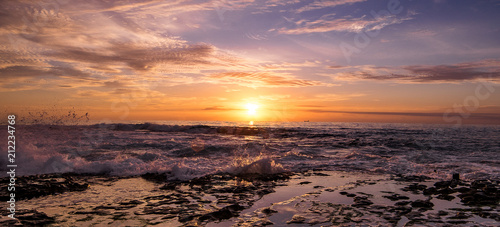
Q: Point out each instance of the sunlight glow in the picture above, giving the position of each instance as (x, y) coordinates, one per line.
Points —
(252, 108)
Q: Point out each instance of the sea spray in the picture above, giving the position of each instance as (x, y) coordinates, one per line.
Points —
(259, 165)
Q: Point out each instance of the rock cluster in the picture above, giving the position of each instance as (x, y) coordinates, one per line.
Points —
(28, 187)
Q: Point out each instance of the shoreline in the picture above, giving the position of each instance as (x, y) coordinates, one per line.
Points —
(311, 198)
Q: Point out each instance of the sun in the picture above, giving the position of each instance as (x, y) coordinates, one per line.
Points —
(252, 108)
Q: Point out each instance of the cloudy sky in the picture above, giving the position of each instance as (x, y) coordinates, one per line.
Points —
(339, 60)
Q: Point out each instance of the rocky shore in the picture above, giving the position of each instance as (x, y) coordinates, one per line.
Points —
(314, 198)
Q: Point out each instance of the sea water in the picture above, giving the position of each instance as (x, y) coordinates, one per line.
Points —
(190, 149)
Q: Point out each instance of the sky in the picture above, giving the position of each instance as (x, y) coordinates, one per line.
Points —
(425, 61)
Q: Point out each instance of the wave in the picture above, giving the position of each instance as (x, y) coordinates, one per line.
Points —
(188, 151)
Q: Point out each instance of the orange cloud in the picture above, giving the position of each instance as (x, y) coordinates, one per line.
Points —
(467, 71)
(263, 79)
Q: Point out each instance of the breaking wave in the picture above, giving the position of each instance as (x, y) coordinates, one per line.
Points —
(200, 148)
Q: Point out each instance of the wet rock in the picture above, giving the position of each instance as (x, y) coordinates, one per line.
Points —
(170, 186)
(188, 216)
(155, 177)
(422, 204)
(460, 215)
(347, 194)
(414, 215)
(268, 211)
(396, 197)
(402, 203)
(412, 178)
(415, 188)
(442, 184)
(481, 193)
(28, 187)
(320, 174)
(399, 210)
(446, 184)
(442, 213)
(445, 197)
(391, 218)
(224, 213)
(265, 191)
(251, 177)
(34, 218)
(458, 222)
(361, 201)
(131, 202)
(463, 189)
(446, 191)
(430, 191)
(296, 219)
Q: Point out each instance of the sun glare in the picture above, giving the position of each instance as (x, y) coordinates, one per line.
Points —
(252, 108)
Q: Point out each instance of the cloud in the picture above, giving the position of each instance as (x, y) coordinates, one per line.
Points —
(104, 41)
(468, 71)
(140, 57)
(219, 108)
(263, 79)
(343, 24)
(475, 115)
(326, 4)
(13, 72)
(338, 97)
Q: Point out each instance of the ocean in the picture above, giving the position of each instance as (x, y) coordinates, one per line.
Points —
(234, 174)
(193, 149)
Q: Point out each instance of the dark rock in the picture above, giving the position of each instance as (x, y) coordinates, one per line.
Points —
(402, 203)
(460, 215)
(296, 219)
(430, 191)
(132, 202)
(28, 187)
(463, 189)
(305, 182)
(361, 201)
(482, 192)
(391, 218)
(414, 215)
(170, 186)
(265, 191)
(422, 203)
(412, 178)
(188, 217)
(442, 184)
(155, 177)
(320, 174)
(268, 211)
(224, 213)
(396, 197)
(442, 213)
(446, 191)
(34, 218)
(445, 197)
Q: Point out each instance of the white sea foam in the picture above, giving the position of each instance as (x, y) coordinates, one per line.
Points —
(260, 166)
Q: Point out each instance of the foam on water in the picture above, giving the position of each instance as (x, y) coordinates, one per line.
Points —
(200, 148)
